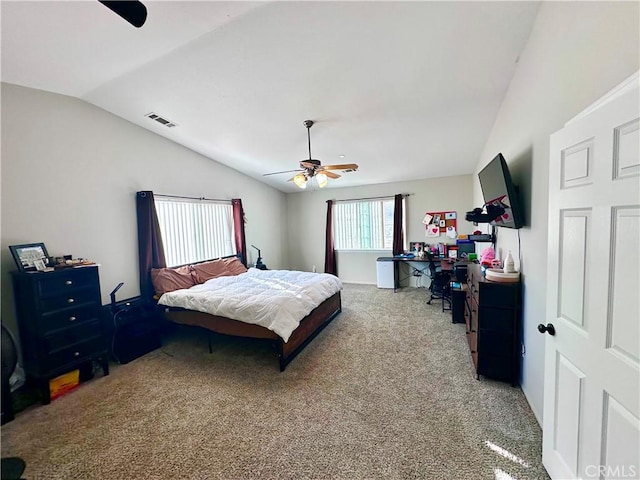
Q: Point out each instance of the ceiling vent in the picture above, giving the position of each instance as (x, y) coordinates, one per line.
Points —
(162, 120)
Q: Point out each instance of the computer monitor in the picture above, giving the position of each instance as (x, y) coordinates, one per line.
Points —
(466, 248)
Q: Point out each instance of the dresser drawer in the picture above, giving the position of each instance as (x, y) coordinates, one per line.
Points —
(501, 295)
(68, 317)
(473, 315)
(467, 315)
(78, 297)
(472, 339)
(497, 367)
(72, 336)
(497, 319)
(491, 342)
(61, 283)
(75, 353)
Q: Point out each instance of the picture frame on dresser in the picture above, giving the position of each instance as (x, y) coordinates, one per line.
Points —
(27, 254)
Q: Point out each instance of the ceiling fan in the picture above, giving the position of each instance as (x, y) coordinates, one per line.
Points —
(312, 168)
(132, 11)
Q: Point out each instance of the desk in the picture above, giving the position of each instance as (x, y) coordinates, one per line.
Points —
(445, 264)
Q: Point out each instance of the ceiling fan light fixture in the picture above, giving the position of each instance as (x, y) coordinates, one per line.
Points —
(322, 180)
(311, 168)
(300, 180)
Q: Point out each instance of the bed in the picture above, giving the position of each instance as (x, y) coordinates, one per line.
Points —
(287, 308)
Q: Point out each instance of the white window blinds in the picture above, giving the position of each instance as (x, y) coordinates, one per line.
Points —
(363, 224)
(195, 230)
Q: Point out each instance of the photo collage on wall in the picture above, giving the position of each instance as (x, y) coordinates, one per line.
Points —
(441, 223)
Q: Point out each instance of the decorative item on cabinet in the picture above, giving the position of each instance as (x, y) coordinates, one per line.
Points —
(60, 323)
(493, 323)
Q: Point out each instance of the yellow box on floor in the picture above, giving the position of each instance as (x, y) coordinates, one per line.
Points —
(64, 384)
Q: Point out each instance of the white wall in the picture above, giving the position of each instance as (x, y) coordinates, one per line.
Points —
(70, 172)
(576, 53)
(308, 212)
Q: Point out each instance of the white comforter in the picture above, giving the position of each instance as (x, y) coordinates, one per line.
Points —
(275, 299)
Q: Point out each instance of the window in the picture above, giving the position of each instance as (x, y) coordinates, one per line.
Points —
(195, 230)
(364, 224)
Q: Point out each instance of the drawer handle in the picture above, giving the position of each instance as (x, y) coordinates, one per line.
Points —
(70, 300)
(68, 282)
(72, 319)
(76, 354)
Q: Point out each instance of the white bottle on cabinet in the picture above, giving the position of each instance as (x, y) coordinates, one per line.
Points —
(509, 265)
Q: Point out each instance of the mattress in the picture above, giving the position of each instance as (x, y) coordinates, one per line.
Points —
(275, 299)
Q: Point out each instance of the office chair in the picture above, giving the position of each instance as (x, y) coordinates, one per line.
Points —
(9, 361)
(11, 467)
(439, 287)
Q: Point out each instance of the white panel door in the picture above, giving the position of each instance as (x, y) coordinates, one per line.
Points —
(591, 426)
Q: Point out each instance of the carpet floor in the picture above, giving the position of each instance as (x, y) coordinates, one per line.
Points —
(386, 391)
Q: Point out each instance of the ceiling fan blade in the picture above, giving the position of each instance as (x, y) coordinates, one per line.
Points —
(284, 171)
(330, 174)
(310, 164)
(345, 166)
(132, 11)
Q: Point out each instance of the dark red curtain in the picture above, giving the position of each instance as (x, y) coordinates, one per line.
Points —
(238, 228)
(150, 248)
(330, 265)
(398, 234)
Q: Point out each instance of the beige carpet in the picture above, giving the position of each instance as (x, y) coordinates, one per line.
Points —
(386, 391)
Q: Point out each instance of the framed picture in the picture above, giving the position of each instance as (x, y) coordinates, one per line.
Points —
(40, 265)
(417, 248)
(29, 256)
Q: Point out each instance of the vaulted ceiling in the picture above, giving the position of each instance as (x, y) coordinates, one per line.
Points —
(406, 90)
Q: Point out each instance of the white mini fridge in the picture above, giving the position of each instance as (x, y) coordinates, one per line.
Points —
(384, 268)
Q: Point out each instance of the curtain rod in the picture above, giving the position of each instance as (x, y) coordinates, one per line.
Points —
(192, 198)
(370, 198)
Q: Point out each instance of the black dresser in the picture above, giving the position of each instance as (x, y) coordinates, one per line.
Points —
(60, 323)
(493, 323)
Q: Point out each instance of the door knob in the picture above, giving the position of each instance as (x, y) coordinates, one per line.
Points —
(548, 328)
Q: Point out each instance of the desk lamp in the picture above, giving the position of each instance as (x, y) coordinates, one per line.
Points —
(259, 264)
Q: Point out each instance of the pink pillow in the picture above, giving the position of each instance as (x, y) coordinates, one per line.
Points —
(218, 268)
(170, 279)
(234, 266)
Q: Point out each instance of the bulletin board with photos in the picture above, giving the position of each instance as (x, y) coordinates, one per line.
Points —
(441, 223)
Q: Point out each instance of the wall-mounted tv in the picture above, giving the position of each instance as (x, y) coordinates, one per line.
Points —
(498, 189)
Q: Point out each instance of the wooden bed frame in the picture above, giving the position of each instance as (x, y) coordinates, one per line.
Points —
(309, 327)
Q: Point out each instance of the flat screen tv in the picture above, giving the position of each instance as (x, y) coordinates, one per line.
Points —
(498, 190)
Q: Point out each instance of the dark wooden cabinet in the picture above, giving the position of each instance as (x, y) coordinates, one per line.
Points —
(60, 323)
(493, 326)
